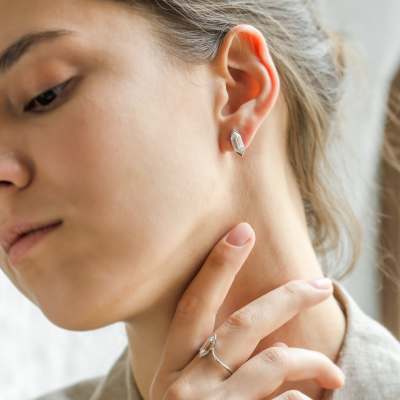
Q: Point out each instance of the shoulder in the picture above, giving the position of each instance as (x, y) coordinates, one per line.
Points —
(370, 355)
(79, 391)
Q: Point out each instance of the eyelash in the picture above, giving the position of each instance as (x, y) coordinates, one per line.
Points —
(56, 90)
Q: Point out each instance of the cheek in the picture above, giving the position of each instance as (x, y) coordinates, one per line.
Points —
(144, 161)
(131, 182)
(136, 172)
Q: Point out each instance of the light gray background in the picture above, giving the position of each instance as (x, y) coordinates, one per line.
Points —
(37, 357)
(372, 31)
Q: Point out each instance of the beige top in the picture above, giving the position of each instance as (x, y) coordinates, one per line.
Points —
(370, 359)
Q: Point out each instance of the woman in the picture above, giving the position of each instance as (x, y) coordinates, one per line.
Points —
(127, 196)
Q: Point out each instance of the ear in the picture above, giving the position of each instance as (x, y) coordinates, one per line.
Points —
(249, 86)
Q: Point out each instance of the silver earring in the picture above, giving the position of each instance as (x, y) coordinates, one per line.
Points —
(237, 142)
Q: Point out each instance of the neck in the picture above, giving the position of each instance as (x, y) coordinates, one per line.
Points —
(282, 252)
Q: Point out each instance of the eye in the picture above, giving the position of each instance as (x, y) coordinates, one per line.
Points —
(44, 100)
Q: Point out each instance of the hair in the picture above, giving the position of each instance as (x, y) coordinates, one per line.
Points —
(311, 64)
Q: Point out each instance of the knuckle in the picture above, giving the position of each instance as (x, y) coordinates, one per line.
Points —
(188, 307)
(293, 395)
(219, 257)
(276, 357)
(177, 391)
(242, 319)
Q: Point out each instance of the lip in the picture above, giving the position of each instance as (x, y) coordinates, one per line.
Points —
(18, 238)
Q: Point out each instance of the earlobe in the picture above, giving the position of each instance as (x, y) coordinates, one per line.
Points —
(249, 85)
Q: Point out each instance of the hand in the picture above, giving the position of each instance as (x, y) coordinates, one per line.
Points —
(182, 375)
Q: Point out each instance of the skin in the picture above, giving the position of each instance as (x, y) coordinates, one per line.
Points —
(135, 159)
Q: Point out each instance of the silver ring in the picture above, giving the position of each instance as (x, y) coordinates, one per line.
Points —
(208, 347)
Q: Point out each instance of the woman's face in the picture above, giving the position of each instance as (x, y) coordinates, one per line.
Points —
(125, 155)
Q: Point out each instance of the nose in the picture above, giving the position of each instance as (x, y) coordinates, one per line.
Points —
(13, 172)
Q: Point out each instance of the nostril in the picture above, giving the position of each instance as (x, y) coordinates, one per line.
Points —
(6, 186)
(14, 171)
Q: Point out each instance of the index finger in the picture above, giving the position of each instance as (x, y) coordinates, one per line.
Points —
(195, 314)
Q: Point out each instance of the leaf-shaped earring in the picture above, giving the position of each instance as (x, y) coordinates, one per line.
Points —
(237, 142)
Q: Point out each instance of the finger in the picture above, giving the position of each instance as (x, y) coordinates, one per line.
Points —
(265, 373)
(292, 395)
(244, 329)
(195, 314)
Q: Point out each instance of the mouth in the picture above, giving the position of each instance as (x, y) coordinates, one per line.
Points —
(27, 240)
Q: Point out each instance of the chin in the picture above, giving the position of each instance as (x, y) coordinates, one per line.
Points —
(82, 311)
(78, 321)
(86, 289)
(77, 311)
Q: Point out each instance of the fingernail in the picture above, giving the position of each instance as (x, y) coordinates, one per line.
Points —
(341, 373)
(280, 344)
(320, 283)
(239, 235)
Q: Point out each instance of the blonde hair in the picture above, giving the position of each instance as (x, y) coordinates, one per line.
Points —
(310, 64)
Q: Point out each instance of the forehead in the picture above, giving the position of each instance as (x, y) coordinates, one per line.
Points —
(102, 28)
(19, 17)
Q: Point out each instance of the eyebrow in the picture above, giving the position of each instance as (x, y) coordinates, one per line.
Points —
(10, 56)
